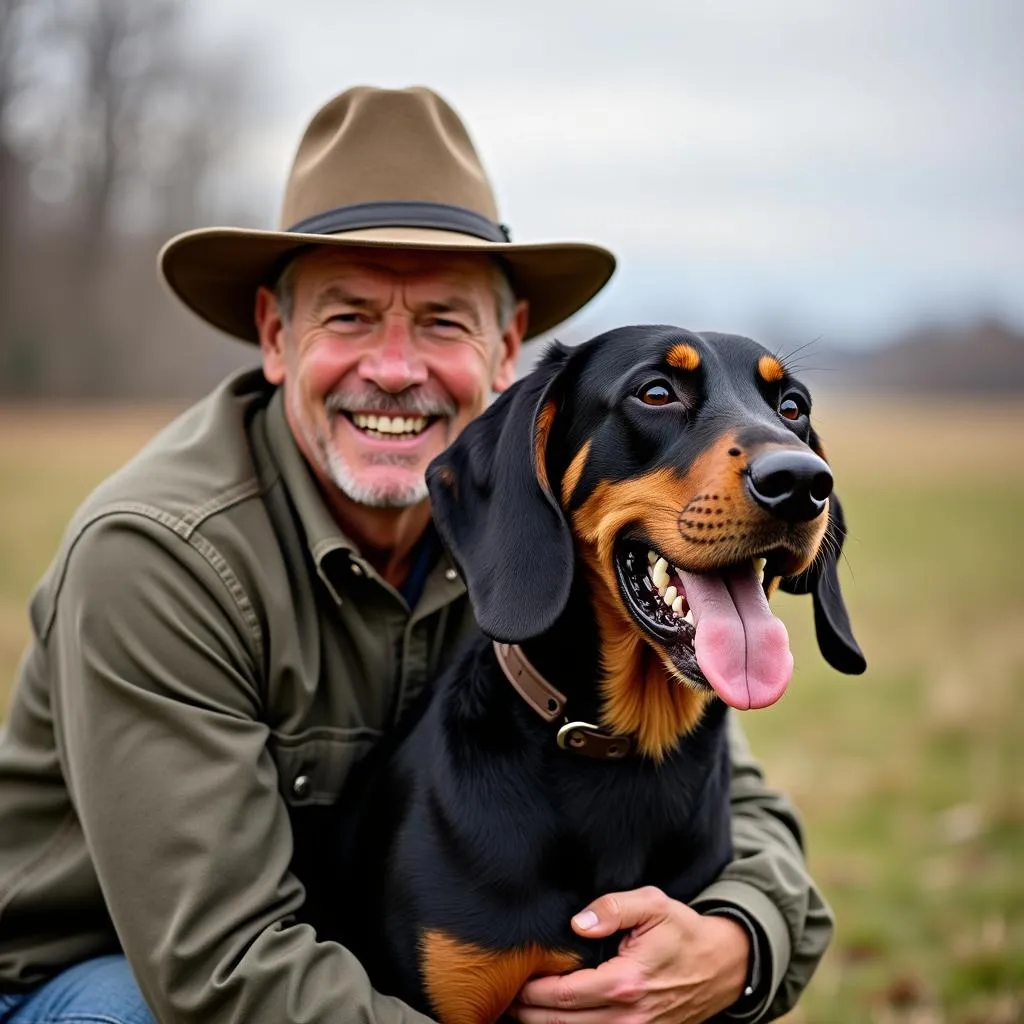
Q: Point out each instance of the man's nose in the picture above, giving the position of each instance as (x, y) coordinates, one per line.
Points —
(394, 363)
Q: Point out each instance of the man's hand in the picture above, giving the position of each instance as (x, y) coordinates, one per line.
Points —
(675, 967)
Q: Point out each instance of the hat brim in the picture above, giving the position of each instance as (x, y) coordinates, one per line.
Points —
(216, 271)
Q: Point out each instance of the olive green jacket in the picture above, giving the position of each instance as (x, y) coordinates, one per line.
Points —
(209, 658)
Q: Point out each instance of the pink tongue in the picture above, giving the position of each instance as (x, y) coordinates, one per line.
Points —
(741, 647)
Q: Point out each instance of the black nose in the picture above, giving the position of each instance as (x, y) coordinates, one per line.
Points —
(791, 484)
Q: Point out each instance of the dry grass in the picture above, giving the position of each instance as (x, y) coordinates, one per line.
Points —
(908, 777)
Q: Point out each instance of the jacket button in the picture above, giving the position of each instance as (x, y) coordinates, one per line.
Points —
(301, 786)
(357, 569)
(451, 575)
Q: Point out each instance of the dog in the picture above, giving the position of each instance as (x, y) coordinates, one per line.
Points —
(621, 517)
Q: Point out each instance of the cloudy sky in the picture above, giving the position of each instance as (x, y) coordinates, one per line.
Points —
(790, 168)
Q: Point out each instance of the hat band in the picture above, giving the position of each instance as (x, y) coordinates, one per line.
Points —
(441, 216)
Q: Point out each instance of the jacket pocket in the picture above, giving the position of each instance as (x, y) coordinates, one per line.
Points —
(312, 766)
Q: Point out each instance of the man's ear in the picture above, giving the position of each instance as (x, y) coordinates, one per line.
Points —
(497, 514)
(831, 619)
(511, 344)
(270, 327)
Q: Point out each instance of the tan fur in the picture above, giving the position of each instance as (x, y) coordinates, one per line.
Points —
(541, 433)
(470, 985)
(683, 357)
(702, 520)
(770, 369)
(572, 475)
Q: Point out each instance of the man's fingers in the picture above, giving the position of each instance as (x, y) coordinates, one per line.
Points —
(542, 1015)
(617, 982)
(621, 911)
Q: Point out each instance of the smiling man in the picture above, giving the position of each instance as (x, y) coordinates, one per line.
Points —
(384, 357)
(239, 614)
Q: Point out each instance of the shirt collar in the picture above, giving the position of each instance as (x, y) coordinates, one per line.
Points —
(323, 535)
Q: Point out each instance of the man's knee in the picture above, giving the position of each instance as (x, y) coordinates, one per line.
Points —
(102, 990)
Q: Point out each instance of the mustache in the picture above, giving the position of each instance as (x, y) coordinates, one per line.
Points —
(412, 402)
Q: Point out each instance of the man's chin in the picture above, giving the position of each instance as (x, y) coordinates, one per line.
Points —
(380, 489)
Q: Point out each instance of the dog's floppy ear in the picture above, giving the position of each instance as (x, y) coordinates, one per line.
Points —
(497, 515)
(831, 620)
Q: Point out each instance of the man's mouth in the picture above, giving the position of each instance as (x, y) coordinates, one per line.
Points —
(716, 627)
(390, 428)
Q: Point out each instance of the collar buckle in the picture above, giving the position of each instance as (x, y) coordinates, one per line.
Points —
(578, 737)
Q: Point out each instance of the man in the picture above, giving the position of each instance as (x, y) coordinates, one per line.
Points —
(236, 617)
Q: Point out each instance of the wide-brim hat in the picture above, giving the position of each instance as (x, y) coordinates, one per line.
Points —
(386, 169)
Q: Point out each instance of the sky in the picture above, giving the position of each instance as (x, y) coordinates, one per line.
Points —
(791, 169)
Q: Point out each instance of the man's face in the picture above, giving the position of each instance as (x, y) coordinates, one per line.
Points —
(384, 358)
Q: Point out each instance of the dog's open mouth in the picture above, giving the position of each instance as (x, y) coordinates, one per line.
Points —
(716, 627)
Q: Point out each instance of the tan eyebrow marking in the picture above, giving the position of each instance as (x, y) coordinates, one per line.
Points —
(770, 369)
(683, 357)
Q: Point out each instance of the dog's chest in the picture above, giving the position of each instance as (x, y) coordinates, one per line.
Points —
(628, 824)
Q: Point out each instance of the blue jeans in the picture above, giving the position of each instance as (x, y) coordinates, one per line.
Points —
(100, 991)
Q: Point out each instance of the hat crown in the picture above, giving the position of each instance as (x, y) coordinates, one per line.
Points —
(372, 145)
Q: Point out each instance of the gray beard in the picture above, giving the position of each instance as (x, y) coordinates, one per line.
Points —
(374, 496)
(341, 475)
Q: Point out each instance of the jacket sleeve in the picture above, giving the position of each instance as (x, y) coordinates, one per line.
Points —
(157, 713)
(768, 883)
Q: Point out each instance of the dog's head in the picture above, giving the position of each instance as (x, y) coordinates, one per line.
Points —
(681, 471)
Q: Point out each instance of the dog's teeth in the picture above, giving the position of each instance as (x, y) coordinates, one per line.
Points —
(661, 574)
(670, 595)
(677, 604)
(652, 557)
(759, 564)
(688, 617)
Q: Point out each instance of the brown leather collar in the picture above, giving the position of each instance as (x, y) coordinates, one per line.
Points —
(579, 737)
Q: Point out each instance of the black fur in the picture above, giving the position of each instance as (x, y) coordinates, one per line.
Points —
(473, 822)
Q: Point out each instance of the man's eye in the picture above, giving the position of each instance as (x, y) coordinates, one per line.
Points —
(346, 318)
(792, 407)
(443, 324)
(656, 393)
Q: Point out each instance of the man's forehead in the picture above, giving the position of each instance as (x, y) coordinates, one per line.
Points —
(387, 266)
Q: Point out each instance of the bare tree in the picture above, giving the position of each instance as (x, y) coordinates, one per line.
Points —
(12, 177)
(129, 115)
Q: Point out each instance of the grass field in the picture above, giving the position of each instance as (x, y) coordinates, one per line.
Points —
(910, 778)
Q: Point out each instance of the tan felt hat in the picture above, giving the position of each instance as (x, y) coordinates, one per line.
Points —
(380, 168)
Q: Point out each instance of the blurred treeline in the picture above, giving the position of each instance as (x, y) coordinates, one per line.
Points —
(113, 123)
(119, 127)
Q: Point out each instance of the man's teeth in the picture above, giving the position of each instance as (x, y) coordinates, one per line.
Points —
(673, 596)
(390, 424)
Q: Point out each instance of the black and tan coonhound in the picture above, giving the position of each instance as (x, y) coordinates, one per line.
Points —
(621, 517)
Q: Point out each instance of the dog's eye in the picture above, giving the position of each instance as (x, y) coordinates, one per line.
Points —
(793, 407)
(657, 393)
